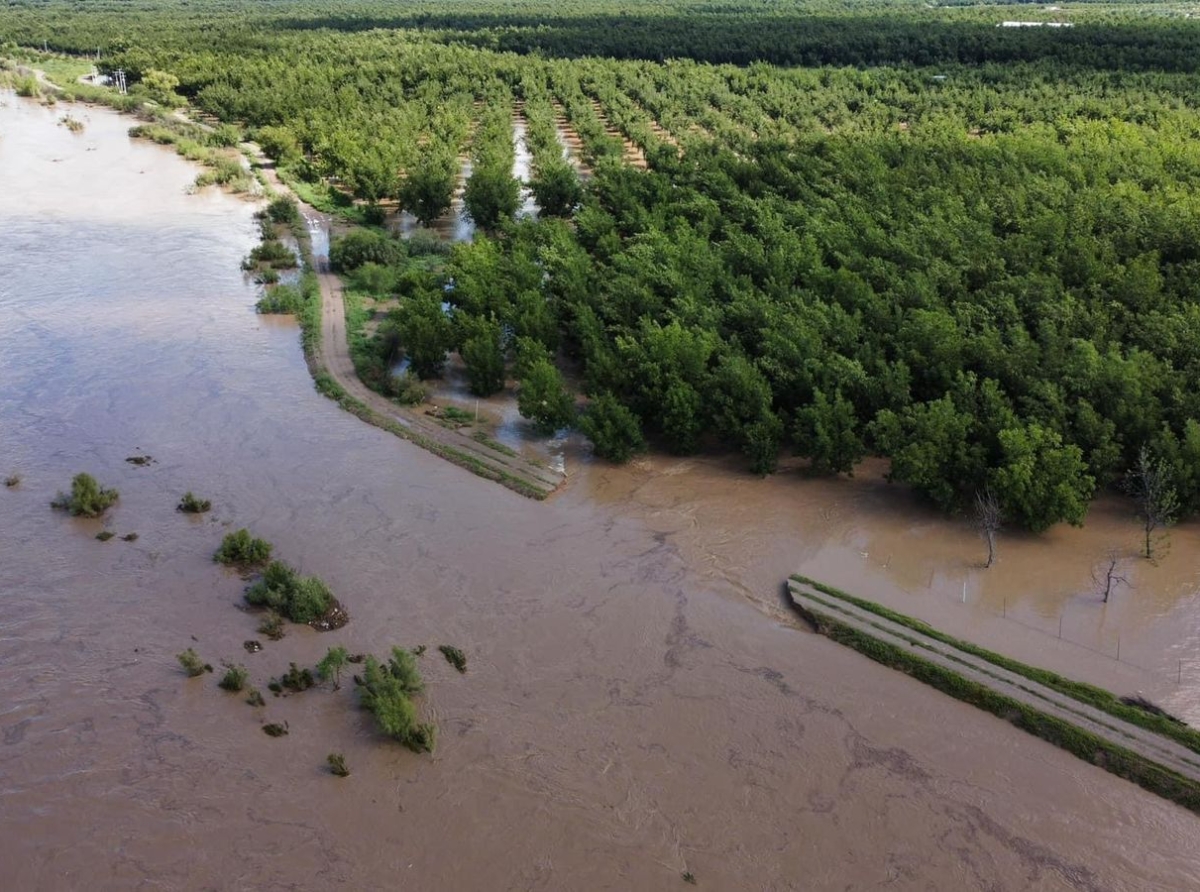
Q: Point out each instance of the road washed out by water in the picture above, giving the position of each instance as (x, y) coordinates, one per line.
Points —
(637, 702)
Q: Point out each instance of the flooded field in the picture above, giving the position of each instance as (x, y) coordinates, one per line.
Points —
(522, 170)
(637, 702)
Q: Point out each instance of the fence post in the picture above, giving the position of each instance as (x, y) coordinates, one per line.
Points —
(1118, 648)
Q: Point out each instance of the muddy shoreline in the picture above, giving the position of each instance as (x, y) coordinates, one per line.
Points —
(638, 702)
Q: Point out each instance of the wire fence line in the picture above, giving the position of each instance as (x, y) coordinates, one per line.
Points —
(1184, 668)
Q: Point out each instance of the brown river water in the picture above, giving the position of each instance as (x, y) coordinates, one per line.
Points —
(637, 703)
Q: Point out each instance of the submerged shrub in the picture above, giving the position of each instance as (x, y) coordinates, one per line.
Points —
(281, 299)
(275, 730)
(337, 765)
(222, 171)
(189, 504)
(272, 626)
(192, 664)
(271, 252)
(387, 700)
(242, 550)
(87, 498)
(615, 431)
(403, 667)
(423, 738)
(234, 679)
(454, 656)
(385, 691)
(105, 535)
(284, 210)
(302, 599)
(360, 246)
(407, 389)
(294, 680)
(255, 698)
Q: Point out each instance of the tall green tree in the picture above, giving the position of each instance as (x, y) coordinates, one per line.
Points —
(1041, 481)
(556, 189)
(682, 417)
(544, 399)
(615, 432)
(424, 331)
(428, 188)
(1152, 486)
(483, 352)
(739, 399)
(492, 196)
(826, 432)
(932, 449)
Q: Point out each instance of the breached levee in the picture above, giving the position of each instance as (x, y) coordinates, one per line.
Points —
(1156, 753)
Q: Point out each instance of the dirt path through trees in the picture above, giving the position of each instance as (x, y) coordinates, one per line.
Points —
(514, 471)
(333, 356)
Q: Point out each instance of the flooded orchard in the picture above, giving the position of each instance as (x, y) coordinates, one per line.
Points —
(637, 702)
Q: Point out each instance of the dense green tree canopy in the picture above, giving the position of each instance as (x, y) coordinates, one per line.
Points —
(877, 228)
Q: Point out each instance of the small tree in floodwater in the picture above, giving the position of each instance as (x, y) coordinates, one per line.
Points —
(87, 498)
(1108, 575)
(988, 518)
(332, 664)
(1152, 486)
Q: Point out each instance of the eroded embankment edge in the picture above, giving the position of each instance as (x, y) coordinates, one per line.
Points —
(1080, 742)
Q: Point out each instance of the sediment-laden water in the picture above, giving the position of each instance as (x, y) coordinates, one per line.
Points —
(637, 702)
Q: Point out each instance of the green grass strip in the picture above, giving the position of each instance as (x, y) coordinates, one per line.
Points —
(323, 197)
(1077, 690)
(482, 437)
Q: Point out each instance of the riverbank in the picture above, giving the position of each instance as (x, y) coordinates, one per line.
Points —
(327, 350)
(324, 333)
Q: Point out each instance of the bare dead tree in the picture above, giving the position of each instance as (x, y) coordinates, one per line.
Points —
(1108, 576)
(1151, 484)
(988, 518)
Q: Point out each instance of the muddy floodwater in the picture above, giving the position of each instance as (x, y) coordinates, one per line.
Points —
(637, 702)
